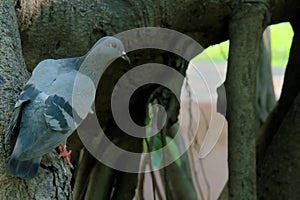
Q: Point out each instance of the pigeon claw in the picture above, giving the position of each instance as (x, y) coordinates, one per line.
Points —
(63, 152)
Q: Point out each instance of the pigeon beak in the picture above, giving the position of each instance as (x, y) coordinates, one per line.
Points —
(125, 57)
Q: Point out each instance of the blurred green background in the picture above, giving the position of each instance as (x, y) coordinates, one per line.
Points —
(281, 39)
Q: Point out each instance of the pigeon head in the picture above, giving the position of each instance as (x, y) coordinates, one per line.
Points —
(100, 56)
(111, 47)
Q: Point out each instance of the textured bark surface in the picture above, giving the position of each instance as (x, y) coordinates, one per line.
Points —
(54, 176)
(12, 77)
(279, 174)
(52, 28)
(278, 159)
(265, 97)
(56, 28)
(290, 90)
(59, 28)
(245, 33)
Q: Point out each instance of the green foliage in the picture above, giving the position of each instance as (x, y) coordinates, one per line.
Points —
(281, 39)
(217, 53)
(174, 151)
(156, 156)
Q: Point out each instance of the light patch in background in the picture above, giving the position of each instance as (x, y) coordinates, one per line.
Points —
(215, 163)
(281, 40)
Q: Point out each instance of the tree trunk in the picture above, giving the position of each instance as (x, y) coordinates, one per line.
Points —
(265, 97)
(278, 163)
(54, 177)
(52, 28)
(245, 32)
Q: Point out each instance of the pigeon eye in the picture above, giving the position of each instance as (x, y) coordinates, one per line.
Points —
(114, 45)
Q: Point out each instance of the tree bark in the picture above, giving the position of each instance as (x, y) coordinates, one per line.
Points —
(289, 92)
(265, 97)
(53, 179)
(279, 152)
(279, 174)
(52, 28)
(245, 32)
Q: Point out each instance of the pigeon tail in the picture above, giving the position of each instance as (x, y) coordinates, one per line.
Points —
(24, 169)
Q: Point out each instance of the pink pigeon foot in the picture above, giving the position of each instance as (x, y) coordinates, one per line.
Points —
(63, 152)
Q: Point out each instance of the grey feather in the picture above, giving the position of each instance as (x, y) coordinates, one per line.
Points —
(29, 92)
(55, 100)
(12, 124)
(55, 113)
(26, 169)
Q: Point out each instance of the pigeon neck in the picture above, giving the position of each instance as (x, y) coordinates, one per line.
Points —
(94, 68)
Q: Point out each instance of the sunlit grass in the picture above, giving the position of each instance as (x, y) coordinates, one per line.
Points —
(217, 53)
(281, 39)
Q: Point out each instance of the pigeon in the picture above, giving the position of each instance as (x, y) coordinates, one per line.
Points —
(49, 109)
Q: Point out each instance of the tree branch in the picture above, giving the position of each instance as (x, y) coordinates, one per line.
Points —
(245, 33)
